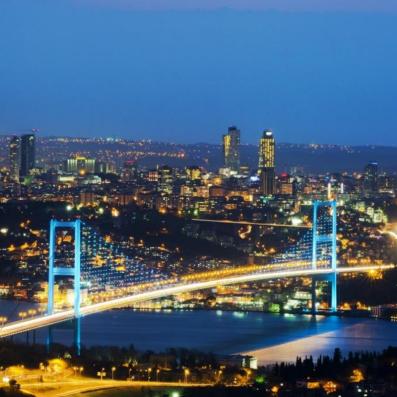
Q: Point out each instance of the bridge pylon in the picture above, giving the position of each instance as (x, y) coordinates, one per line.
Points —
(327, 238)
(59, 271)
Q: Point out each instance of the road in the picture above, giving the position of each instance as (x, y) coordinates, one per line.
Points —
(58, 317)
(252, 223)
(82, 385)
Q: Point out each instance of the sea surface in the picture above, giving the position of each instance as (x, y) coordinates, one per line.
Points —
(269, 337)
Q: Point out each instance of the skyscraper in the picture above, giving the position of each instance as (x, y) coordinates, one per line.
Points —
(166, 179)
(28, 154)
(266, 162)
(371, 177)
(15, 157)
(231, 149)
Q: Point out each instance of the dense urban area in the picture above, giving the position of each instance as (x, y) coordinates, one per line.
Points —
(191, 212)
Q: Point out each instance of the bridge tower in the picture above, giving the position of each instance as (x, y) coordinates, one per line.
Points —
(59, 271)
(328, 239)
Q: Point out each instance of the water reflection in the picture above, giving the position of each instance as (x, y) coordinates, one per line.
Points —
(269, 337)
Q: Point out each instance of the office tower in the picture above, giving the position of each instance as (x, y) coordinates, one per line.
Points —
(231, 149)
(28, 154)
(15, 157)
(165, 179)
(266, 163)
(371, 177)
(266, 150)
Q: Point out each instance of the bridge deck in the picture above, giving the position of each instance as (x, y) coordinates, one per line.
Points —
(58, 317)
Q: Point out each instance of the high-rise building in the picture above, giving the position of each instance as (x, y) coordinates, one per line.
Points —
(80, 165)
(266, 150)
(371, 177)
(166, 179)
(129, 172)
(28, 154)
(266, 163)
(15, 157)
(231, 149)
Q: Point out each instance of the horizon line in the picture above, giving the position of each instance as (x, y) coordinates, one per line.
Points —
(152, 140)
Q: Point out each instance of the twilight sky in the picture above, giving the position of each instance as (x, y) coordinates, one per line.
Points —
(183, 70)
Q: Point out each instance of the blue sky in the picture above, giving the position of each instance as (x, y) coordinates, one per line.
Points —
(313, 71)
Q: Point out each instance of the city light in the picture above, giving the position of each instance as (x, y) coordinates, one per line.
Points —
(236, 259)
(38, 322)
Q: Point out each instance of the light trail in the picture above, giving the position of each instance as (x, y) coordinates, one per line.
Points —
(39, 322)
(230, 222)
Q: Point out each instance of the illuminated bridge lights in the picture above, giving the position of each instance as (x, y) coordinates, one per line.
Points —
(116, 302)
(113, 279)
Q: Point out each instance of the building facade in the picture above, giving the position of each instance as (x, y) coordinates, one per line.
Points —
(15, 157)
(28, 154)
(231, 149)
(266, 166)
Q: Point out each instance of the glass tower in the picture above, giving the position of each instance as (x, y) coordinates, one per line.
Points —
(15, 157)
(28, 154)
(231, 149)
(266, 163)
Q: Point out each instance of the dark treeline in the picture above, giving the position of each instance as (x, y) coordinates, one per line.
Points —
(372, 365)
(32, 355)
(375, 372)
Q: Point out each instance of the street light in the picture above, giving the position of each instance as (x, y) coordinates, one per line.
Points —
(22, 315)
(3, 320)
(32, 312)
(187, 373)
(81, 369)
(113, 369)
(149, 371)
(157, 374)
(101, 373)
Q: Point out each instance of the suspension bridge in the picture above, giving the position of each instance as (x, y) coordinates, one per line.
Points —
(105, 277)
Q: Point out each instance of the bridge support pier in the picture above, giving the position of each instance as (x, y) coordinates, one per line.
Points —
(49, 339)
(76, 324)
(73, 272)
(332, 280)
(77, 335)
(59, 271)
(321, 237)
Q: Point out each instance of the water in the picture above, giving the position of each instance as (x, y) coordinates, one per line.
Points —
(269, 337)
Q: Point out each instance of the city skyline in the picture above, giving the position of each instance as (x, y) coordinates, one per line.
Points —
(315, 77)
(198, 198)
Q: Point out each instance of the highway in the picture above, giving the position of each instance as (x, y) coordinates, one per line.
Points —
(61, 316)
(78, 386)
(229, 222)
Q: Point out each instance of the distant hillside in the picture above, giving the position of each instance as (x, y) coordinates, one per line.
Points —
(310, 158)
